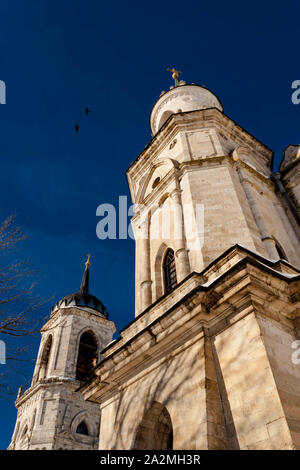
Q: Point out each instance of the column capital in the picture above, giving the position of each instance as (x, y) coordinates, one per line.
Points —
(146, 283)
(176, 194)
(180, 251)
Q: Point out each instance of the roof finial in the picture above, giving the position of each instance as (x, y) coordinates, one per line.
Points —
(88, 263)
(84, 288)
(175, 75)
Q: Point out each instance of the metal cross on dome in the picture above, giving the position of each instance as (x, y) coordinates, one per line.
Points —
(175, 75)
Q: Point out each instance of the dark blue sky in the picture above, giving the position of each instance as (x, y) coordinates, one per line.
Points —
(57, 56)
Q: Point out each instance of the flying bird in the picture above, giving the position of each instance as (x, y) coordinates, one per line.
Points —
(77, 127)
(87, 111)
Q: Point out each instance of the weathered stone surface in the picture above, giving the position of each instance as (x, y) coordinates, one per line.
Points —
(50, 411)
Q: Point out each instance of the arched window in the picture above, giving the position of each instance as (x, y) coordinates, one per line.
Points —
(45, 358)
(87, 356)
(169, 268)
(82, 429)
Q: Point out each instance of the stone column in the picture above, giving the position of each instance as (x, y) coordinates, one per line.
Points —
(267, 240)
(146, 283)
(181, 254)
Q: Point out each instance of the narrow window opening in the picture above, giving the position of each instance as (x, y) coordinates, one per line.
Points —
(45, 359)
(155, 182)
(170, 278)
(82, 429)
(87, 356)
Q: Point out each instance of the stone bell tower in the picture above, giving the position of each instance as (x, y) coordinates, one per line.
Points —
(202, 185)
(207, 362)
(51, 413)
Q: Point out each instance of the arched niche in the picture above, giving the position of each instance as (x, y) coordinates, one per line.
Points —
(155, 431)
(84, 423)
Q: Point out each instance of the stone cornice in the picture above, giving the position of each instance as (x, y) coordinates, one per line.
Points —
(217, 270)
(247, 281)
(258, 174)
(68, 312)
(162, 187)
(189, 121)
(46, 384)
(188, 165)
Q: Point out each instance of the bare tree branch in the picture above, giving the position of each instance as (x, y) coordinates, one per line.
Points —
(18, 305)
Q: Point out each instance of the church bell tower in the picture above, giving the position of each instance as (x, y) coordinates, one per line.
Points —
(207, 363)
(52, 415)
(202, 185)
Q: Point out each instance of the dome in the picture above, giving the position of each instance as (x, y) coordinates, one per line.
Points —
(181, 98)
(82, 298)
(78, 299)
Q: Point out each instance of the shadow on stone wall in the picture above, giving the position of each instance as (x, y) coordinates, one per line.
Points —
(188, 387)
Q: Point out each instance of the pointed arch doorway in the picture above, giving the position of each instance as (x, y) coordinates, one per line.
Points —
(155, 431)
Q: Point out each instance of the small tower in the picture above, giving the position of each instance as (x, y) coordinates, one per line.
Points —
(202, 185)
(51, 413)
